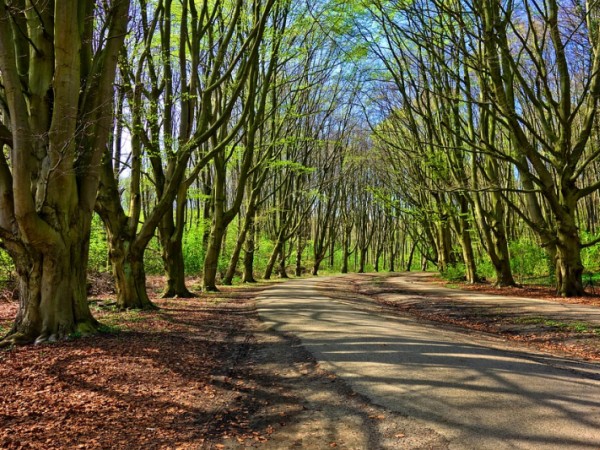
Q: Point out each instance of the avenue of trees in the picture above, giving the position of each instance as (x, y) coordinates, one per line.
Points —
(246, 139)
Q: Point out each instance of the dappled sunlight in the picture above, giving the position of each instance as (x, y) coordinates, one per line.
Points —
(477, 393)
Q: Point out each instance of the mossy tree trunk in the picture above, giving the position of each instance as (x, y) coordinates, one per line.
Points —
(58, 122)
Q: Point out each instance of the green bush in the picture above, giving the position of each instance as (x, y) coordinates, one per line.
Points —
(454, 272)
(193, 250)
(485, 268)
(529, 260)
(98, 257)
(590, 256)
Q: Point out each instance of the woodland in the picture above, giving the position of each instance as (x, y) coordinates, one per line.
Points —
(234, 140)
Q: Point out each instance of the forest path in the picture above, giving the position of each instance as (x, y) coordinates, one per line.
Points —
(463, 385)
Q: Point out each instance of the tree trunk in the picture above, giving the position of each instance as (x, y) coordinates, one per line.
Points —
(273, 259)
(464, 236)
(467, 253)
(233, 261)
(211, 260)
(172, 254)
(494, 234)
(443, 246)
(282, 264)
(345, 256)
(248, 275)
(52, 295)
(171, 235)
(378, 253)
(130, 276)
(363, 260)
(410, 256)
(235, 256)
(316, 266)
(569, 267)
(299, 251)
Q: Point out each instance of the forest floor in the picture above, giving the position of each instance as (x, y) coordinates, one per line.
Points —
(204, 373)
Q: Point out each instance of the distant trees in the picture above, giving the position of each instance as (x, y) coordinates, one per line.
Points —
(500, 101)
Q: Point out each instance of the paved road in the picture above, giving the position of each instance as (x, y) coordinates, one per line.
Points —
(478, 396)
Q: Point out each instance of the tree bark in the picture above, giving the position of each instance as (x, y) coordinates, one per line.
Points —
(130, 276)
(52, 295)
(211, 259)
(56, 101)
(174, 263)
(248, 275)
(273, 258)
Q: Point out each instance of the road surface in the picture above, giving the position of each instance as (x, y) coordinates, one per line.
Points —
(463, 386)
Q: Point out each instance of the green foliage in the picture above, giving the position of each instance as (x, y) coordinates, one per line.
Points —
(485, 269)
(292, 166)
(193, 250)
(98, 259)
(455, 272)
(6, 266)
(153, 262)
(528, 260)
(590, 256)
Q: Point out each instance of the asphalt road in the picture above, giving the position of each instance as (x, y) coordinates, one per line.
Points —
(463, 386)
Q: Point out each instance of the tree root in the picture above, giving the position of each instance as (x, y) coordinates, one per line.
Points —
(16, 338)
(174, 294)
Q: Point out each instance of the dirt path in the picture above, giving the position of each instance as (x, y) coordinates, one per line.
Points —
(198, 374)
(463, 386)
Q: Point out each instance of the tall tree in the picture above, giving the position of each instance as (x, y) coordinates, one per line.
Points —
(529, 53)
(57, 68)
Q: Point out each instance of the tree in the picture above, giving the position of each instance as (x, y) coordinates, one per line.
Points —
(209, 92)
(550, 121)
(57, 64)
(253, 110)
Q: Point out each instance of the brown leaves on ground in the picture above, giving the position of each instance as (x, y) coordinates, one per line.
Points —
(592, 297)
(164, 379)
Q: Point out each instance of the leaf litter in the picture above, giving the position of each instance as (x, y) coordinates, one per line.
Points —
(197, 374)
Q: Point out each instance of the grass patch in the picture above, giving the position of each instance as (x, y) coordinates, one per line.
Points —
(109, 329)
(563, 326)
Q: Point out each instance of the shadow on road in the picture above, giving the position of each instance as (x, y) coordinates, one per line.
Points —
(478, 396)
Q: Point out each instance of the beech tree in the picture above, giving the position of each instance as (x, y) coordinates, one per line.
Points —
(57, 67)
(550, 132)
(216, 57)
